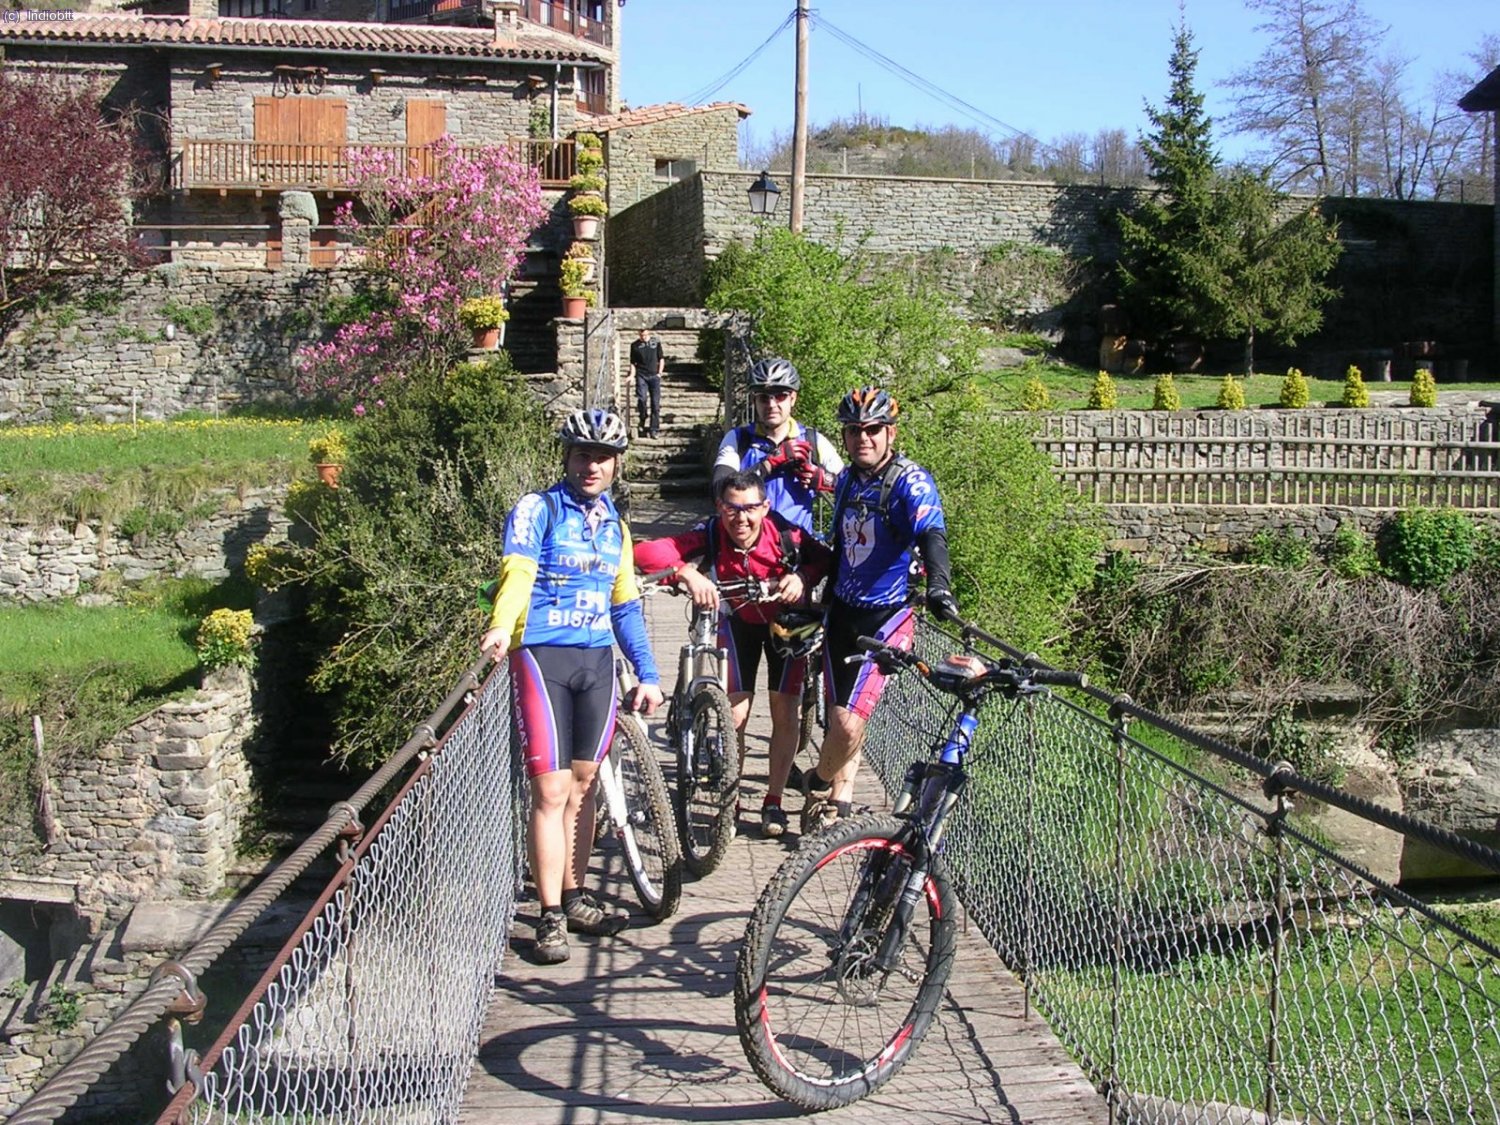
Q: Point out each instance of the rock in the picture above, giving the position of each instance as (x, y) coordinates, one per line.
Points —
(1454, 783)
(1378, 850)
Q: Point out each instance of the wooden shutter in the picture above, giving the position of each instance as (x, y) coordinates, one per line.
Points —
(426, 121)
(300, 140)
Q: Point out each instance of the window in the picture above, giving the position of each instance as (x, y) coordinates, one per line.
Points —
(670, 171)
(251, 8)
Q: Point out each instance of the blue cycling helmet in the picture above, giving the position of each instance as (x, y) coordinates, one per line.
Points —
(594, 427)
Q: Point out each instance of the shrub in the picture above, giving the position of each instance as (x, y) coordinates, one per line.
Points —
(1102, 394)
(580, 250)
(1423, 388)
(271, 567)
(304, 500)
(1424, 547)
(588, 205)
(1231, 394)
(328, 449)
(196, 320)
(1294, 394)
(1166, 396)
(224, 639)
(1282, 549)
(1353, 553)
(587, 184)
(480, 314)
(570, 277)
(589, 141)
(1034, 395)
(1356, 394)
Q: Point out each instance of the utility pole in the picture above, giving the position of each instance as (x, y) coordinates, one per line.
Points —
(799, 120)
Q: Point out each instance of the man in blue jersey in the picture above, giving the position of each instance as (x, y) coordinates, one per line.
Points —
(793, 461)
(567, 593)
(884, 505)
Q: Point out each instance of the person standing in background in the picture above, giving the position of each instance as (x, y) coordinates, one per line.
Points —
(647, 361)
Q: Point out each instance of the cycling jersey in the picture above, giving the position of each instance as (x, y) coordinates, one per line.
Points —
(874, 544)
(765, 559)
(743, 448)
(567, 577)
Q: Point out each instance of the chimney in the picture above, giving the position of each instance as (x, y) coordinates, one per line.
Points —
(203, 9)
(507, 21)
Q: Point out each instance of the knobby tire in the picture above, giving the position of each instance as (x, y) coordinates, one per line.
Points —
(820, 1025)
(649, 831)
(708, 789)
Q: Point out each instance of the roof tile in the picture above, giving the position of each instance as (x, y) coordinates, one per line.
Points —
(652, 114)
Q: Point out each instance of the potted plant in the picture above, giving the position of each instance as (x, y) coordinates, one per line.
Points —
(577, 296)
(587, 211)
(328, 453)
(485, 317)
(582, 252)
(588, 204)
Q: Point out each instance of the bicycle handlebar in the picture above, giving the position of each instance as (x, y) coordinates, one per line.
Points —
(1023, 674)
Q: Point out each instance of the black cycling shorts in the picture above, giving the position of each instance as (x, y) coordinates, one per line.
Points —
(563, 702)
(744, 643)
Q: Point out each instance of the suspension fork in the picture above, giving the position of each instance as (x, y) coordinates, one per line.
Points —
(945, 781)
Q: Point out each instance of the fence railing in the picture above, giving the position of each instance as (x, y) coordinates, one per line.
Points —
(1371, 459)
(281, 165)
(1198, 946)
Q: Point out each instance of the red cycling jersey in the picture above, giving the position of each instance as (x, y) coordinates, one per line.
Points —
(764, 559)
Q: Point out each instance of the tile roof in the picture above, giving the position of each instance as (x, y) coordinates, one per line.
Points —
(1485, 95)
(326, 35)
(651, 114)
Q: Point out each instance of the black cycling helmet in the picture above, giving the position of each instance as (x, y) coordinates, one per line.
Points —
(774, 373)
(594, 427)
(868, 404)
(796, 633)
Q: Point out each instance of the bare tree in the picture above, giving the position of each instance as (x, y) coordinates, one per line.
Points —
(1117, 159)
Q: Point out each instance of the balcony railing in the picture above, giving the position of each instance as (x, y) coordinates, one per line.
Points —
(280, 166)
(558, 15)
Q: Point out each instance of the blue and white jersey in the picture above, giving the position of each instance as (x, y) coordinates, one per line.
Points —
(875, 547)
(744, 448)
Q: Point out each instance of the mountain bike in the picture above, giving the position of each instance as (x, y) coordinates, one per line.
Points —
(701, 729)
(849, 948)
(634, 806)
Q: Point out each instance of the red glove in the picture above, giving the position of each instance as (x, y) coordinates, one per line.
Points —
(793, 449)
(815, 477)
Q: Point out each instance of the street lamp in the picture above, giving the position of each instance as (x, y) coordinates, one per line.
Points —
(764, 195)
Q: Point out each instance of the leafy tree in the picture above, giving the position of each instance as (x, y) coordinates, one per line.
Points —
(1218, 258)
(68, 178)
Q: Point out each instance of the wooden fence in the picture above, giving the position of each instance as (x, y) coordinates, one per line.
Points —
(1370, 459)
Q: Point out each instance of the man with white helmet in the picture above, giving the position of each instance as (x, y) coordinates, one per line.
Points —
(794, 461)
(567, 594)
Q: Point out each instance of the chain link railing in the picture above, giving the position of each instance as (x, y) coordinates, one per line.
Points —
(1187, 932)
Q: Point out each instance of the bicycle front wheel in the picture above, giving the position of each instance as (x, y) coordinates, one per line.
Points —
(821, 1023)
(648, 834)
(811, 717)
(708, 780)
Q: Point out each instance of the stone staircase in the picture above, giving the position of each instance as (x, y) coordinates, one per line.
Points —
(676, 462)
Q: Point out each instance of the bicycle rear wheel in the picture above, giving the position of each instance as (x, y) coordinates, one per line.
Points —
(648, 835)
(822, 1025)
(708, 780)
(811, 717)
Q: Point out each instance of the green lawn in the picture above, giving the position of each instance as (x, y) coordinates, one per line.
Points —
(1069, 388)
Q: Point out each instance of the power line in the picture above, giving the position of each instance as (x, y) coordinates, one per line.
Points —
(718, 84)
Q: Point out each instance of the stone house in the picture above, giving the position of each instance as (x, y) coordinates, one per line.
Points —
(1485, 98)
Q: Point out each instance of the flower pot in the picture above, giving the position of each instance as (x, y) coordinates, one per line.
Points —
(586, 226)
(575, 308)
(488, 339)
(329, 474)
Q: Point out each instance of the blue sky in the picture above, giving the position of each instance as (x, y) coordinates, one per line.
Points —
(1046, 67)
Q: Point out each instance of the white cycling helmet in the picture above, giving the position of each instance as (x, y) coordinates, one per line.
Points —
(774, 373)
(594, 427)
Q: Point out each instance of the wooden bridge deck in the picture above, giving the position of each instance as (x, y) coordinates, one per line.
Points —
(640, 1027)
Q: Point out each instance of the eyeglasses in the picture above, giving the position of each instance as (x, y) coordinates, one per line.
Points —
(869, 429)
(742, 509)
(767, 396)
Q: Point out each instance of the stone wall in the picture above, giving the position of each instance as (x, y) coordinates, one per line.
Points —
(107, 352)
(702, 140)
(1411, 270)
(39, 563)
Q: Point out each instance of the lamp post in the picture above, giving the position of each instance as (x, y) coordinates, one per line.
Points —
(764, 195)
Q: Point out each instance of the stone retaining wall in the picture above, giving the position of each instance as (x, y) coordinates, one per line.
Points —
(40, 563)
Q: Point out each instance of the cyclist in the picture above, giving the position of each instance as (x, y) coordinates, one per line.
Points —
(794, 461)
(567, 593)
(884, 505)
(747, 538)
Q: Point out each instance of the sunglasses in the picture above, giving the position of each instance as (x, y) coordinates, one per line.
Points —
(742, 509)
(767, 396)
(869, 429)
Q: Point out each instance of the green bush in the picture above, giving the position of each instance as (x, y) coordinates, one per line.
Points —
(1294, 394)
(1283, 549)
(1034, 394)
(593, 205)
(224, 639)
(1231, 394)
(1423, 388)
(1356, 394)
(1102, 394)
(415, 525)
(1424, 547)
(1353, 553)
(1166, 396)
(196, 320)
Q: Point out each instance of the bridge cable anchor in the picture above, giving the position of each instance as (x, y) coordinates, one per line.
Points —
(350, 834)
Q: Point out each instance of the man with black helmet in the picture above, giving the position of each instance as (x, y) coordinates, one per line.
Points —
(795, 462)
(884, 505)
(567, 594)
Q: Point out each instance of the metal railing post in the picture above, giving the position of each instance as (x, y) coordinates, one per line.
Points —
(1117, 952)
(1028, 882)
(1274, 823)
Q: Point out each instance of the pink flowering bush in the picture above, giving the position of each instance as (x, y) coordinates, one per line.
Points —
(431, 239)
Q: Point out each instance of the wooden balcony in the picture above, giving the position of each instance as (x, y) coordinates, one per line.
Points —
(283, 166)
